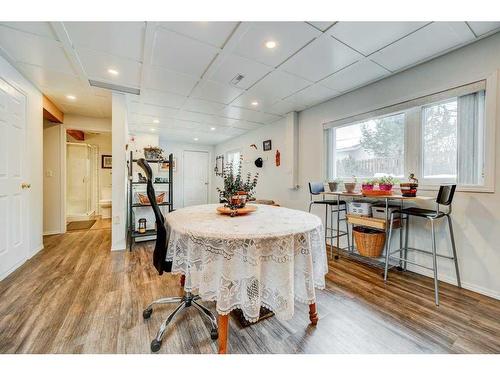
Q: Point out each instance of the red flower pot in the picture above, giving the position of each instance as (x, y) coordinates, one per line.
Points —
(367, 187)
(385, 187)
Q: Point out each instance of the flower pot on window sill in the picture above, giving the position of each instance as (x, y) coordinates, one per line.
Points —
(333, 186)
(385, 187)
(367, 187)
(350, 187)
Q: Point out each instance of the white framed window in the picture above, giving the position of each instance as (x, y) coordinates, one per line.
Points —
(441, 138)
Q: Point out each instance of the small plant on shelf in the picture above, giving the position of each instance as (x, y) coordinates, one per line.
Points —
(351, 186)
(237, 190)
(153, 153)
(387, 182)
(334, 184)
(368, 184)
(409, 189)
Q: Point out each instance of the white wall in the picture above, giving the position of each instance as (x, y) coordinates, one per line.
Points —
(273, 181)
(177, 149)
(476, 216)
(34, 149)
(53, 179)
(85, 123)
(119, 179)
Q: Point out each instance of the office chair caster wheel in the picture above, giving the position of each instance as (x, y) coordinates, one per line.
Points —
(146, 314)
(214, 334)
(155, 345)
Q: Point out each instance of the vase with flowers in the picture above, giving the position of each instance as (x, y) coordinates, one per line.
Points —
(367, 185)
(387, 182)
(237, 189)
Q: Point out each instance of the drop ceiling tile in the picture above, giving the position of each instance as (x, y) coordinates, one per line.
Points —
(312, 95)
(203, 106)
(430, 41)
(214, 33)
(322, 25)
(278, 85)
(168, 81)
(283, 107)
(228, 66)
(96, 65)
(289, 36)
(162, 98)
(196, 117)
(249, 115)
(355, 75)
(216, 92)
(481, 28)
(368, 37)
(38, 28)
(320, 58)
(46, 78)
(181, 54)
(249, 97)
(153, 110)
(35, 50)
(123, 39)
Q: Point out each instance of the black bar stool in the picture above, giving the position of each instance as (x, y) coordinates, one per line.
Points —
(445, 198)
(335, 206)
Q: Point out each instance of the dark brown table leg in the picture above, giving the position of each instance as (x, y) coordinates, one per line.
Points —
(183, 280)
(313, 314)
(223, 333)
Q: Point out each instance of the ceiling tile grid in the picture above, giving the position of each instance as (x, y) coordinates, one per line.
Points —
(216, 80)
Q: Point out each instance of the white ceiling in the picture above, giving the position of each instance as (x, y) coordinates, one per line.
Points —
(184, 69)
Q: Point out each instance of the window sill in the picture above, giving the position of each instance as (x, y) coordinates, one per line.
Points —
(464, 189)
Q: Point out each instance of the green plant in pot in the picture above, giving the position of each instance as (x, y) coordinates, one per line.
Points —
(334, 184)
(387, 182)
(368, 184)
(409, 189)
(236, 189)
(153, 153)
(351, 186)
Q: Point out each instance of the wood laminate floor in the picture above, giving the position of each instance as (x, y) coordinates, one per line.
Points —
(76, 296)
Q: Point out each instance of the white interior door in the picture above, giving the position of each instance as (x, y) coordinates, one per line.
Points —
(13, 197)
(195, 171)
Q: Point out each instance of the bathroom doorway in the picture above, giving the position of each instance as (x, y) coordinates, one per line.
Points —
(82, 181)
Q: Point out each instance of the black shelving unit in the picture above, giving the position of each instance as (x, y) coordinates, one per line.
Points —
(132, 166)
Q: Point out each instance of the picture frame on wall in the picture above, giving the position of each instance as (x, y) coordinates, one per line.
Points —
(106, 162)
(266, 145)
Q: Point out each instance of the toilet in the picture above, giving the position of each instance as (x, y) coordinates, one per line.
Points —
(105, 202)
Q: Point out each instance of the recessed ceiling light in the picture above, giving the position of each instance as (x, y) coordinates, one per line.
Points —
(255, 103)
(156, 121)
(212, 128)
(71, 97)
(195, 139)
(153, 129)
(270, 44)
(113, 72)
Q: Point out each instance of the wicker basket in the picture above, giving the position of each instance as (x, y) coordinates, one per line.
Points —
(369, 242)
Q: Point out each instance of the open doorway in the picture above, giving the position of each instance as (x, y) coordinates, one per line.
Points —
(88, 180)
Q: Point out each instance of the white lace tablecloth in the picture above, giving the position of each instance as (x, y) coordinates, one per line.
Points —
(269, 258)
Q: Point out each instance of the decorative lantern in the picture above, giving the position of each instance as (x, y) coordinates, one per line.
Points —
(142, 225)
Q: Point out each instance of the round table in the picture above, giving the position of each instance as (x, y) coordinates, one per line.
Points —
(271, 257)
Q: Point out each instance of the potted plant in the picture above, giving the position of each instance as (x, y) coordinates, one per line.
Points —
(236, 190)
(368, 184)
(409, 189)
(386, 183)
(351, 186)
(333, 185)
(153, 153)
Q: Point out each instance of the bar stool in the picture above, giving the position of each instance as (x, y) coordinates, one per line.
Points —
(335, 206)
(445, 198)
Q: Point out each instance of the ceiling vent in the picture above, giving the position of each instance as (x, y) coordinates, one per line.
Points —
(236, 80)
(110, 86)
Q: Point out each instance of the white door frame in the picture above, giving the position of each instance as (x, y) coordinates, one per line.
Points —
(184, 174)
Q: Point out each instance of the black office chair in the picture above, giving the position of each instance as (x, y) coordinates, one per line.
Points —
(160, 263)
(335, 206)
(444, 198)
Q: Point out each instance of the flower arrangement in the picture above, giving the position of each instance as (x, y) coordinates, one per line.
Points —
(236, 189)
(369, 184)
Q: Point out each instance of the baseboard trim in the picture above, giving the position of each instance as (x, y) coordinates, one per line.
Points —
(51, 232)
